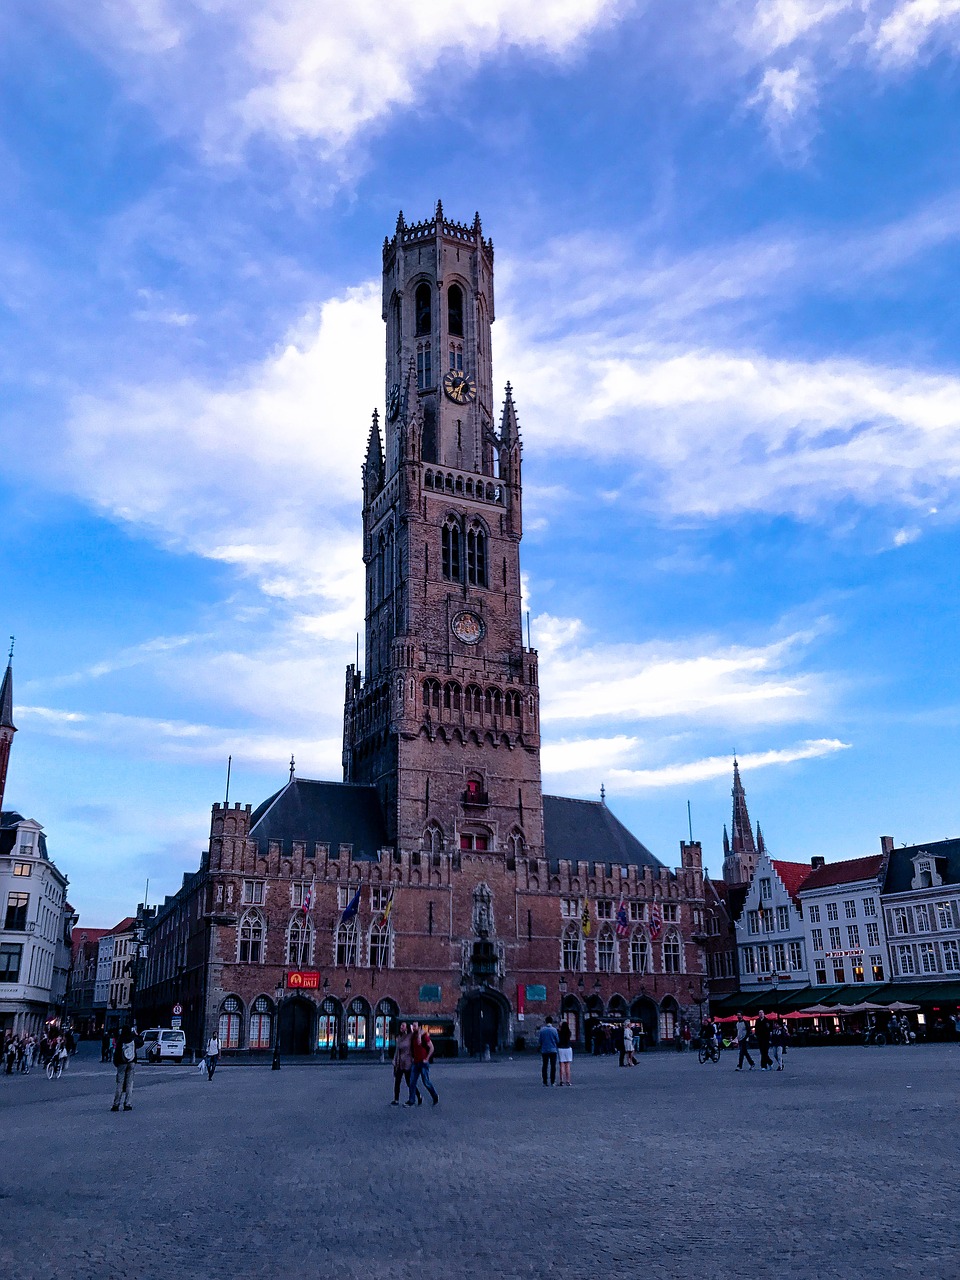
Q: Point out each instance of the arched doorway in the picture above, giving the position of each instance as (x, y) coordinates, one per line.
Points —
(385, 1025)
(571, 1015)
(481, 1023)
(296, 1025)
(645, 1011)
(669, 1019)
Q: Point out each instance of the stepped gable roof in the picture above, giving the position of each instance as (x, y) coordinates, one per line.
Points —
(793, 874)
(847, 872)
(900, 871)
(586, 831)
(332, 813)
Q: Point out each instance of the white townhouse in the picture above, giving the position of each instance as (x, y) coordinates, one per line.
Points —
(921, 907)
(843, 921)
(771, 942)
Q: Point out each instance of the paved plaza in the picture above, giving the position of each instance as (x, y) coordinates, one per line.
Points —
(844, 1165)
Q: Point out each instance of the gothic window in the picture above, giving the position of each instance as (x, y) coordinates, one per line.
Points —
(474, 700)
(231, 1016)
(398, 328)
(672, 954)
(516, 845)
(493, 702)
(379, 946)
(450, 552)
(606, 951)
(251, 938)
(433, 838)
(424, 369)
(455, 310)
(573, 948)
(511, 704)
(431, 694)
(451, 696)
(456, 356)
(423, 308)
(639, 952)
(429, 437)
(261, 1024)
(348, 943)
(476, 557)
(300, 942)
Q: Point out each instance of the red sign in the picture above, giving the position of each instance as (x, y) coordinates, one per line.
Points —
(303, 979)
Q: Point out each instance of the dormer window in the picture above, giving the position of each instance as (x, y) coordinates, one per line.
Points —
(925, 873)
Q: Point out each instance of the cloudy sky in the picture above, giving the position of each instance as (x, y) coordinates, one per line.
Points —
(726, 232)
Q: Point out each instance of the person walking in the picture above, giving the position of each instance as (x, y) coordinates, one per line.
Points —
(403, 1064)
(105, 1047)
(619, 1043)
(422, 1050)
(549, 1043)
(213, 1055)
(125, 1060)
(564, 1052)
(743, 1035)
(776, 1043)
(629, 1059)
(762, 1032)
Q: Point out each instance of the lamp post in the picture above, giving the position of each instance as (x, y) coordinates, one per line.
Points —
(275, 1065)
(774, 985)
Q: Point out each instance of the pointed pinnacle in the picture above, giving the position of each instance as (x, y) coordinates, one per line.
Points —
(439, 212)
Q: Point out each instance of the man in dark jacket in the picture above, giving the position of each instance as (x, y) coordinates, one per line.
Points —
(125, 1060)
(762, 1032)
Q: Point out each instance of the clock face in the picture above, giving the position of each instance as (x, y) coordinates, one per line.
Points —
(468, 627)
(393, 401)
(460, 387)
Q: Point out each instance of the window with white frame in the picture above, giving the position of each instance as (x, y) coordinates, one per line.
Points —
(572, 949)
(253, 892)
(753, 922)
(22, 868)
(671, 913)
(379, 946)
(261, 1024)
(783, 919)
(873, 935)
(606, 951)
(814, 914)
(231, 1016)
(251, 938)
(763, 958)
(853, 935)
(766, 889)
(832, 913)
(835, 940)
(816, 938)
(300, 942)
(796, 956)
(928, 957)
(944, 915)
(604, 909)
(839, 972)
(779, 956)
(901, 920)
(379, 896)
(672, 954)
(639, 952)
(749, 958)
(922, 917)
(820, 972)
(869, 906)
(850, 908)
(951, 956)
(876, 966)
(570, 908)
(637, 911)
(298, 891)
(348, 943)
(905, 962)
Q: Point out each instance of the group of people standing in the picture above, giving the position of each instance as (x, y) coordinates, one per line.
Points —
(19, 1053)
(771, 1035)
(411, 1064)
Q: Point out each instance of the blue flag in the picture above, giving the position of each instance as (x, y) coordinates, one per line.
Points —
(352, 907)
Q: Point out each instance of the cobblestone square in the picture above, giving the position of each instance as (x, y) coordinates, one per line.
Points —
(844, 1166)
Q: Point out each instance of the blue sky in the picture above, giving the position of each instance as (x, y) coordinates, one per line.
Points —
(727, 236)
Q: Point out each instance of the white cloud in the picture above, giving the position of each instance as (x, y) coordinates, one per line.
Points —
(314, 71)
(909, 27)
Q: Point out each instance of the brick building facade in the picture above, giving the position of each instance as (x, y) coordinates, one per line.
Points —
(483, 905)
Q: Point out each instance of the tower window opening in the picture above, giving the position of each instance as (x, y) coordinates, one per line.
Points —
(450, 552)
(476, 558)
(431, 694)
(456, 357)
(424, 366)
(454, 309)
(423, 308)
(474, 700)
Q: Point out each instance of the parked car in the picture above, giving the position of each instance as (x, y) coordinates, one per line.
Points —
(160, 1043)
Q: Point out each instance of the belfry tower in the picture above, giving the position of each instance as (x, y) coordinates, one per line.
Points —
(445, 720)
(740, 854)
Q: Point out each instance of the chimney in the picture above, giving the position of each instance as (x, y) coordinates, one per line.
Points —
(817, 862)
(886, 844)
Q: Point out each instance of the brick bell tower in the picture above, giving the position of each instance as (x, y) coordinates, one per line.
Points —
(446, 719)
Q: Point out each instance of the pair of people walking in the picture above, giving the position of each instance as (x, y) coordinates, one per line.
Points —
(770, 1037)
(556, 1047)
(411, 1064)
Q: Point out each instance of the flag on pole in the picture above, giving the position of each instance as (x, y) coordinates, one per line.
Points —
(585, 922)
(308, 897)
(352, 908)
(623, 928)
(656, 922)
(384, 917)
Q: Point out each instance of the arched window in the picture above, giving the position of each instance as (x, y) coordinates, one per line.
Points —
(672, 954)
(423, 309)
(425, 370)
(456, 356)
(668, 1019)
(261, 1024)
(455, 310)
(433, 838)
(606, 951)
(493, 702)
(639, 952)
(572, 958)
(515, 844)
(300, 942)
(398, 328)
(431, 694)
(450, 551)
(327, 1021)
(251, 938)
(428, 438)
(451, 696)
(385, 1025)
(357, 1016)
(379, 946)
(231, 1018)
(348, 943)
(476, 557)
(474, 700)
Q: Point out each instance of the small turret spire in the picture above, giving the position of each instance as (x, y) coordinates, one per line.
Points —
(293, 767)
(7, 727)
(439, 211)
(603, 794)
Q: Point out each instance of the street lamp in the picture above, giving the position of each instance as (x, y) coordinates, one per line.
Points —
(275, 1065)
(774, 985)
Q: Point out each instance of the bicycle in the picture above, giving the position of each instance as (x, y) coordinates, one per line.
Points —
(875, 1037)
(55, 1067)
(709, 1052)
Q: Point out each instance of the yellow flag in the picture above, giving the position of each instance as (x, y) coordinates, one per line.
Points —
(585, 922)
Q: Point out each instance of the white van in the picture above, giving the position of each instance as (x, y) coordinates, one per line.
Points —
(160, 1043)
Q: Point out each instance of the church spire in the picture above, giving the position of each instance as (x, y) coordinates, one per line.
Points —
(740, 850)
(373, 465)
(7, 727)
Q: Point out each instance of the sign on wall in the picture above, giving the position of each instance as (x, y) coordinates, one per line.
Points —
(303, 979)
(429, 993)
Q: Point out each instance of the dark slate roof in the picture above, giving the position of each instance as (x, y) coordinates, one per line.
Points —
(9, 821)
(586, 831)
(900, 869)
(848, 872)
(332, 813)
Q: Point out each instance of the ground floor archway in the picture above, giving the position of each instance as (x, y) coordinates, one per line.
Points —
(484, 1022)
(296, 1025)
(647, 1013)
